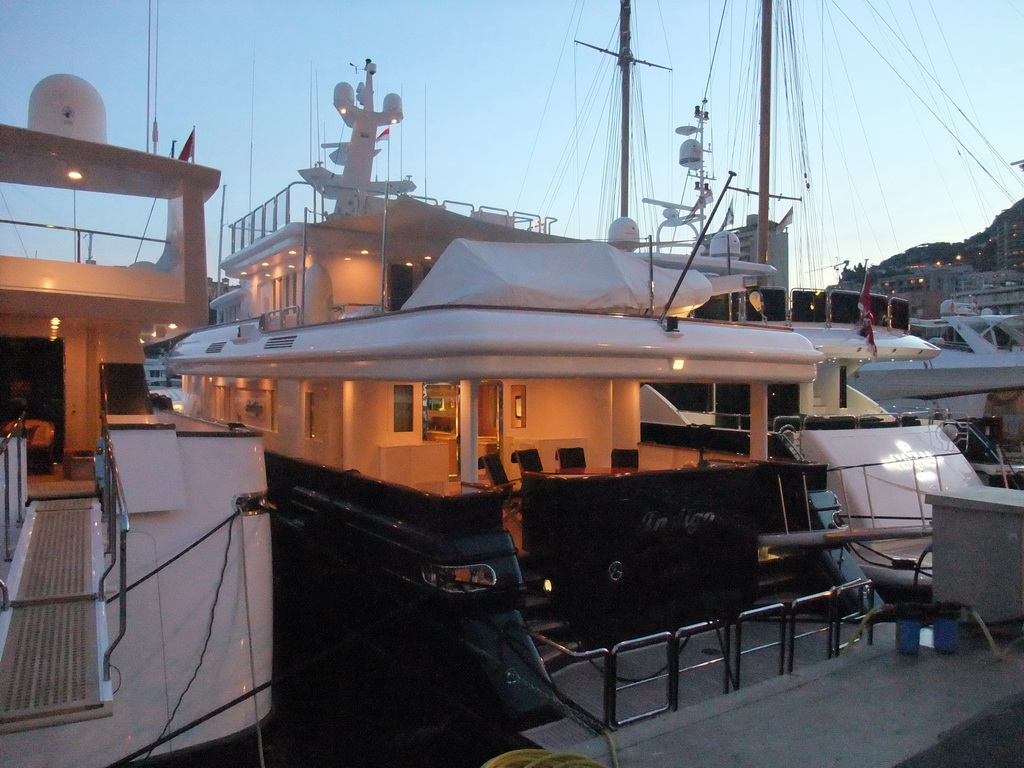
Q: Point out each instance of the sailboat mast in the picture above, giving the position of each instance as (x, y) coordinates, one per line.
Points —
(625, 65)
(766, 116)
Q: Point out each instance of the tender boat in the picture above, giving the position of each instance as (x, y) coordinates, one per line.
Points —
(137, 606)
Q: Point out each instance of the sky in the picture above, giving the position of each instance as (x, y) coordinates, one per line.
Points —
(896, 121)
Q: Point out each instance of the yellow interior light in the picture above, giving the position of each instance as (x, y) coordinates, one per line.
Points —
(677, 364)
(76, 175)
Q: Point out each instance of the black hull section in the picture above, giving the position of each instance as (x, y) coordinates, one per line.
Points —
(632, 554)
(625, 556)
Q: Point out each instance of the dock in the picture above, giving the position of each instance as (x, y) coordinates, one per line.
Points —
(871, 707)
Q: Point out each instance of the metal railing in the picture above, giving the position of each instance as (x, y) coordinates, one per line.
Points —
(277, 212)
(13, 439)
(271, 216)
(80, 234)
(279, 319)
(116, 513)
(824, 606)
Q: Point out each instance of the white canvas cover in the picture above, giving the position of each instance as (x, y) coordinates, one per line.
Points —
(591, 277)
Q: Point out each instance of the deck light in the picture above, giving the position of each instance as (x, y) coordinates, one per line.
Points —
(677, 364)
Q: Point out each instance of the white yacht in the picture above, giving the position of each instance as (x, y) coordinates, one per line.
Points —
(452, 409)
(136, 617)
(978, 373)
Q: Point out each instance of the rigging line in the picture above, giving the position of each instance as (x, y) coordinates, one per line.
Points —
(856, 220)
(149, 47)
(252, 113)
(544, 111)
(10, 215)
(937, 83)
(953, 135)
(714, 50)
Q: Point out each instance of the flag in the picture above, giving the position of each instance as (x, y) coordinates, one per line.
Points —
(866, 318)
(786, 220)
(385, 135)
(188, 151)
(727, 221)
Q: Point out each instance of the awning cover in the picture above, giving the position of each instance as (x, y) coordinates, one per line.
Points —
(589, 277)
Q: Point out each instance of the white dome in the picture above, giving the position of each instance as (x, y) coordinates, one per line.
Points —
(624, 233)
(725, 244)
(67, 105)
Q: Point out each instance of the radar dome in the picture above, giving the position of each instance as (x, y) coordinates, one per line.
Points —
(691, 154)
(725, 244)
(624, 233)
(67, 105)
(393, 108)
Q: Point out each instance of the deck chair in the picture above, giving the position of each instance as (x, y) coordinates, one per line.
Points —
(495, 470)
(528, 460)
(625, 458)
(571, 458)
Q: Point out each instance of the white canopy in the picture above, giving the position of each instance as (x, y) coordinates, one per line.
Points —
(591, 277)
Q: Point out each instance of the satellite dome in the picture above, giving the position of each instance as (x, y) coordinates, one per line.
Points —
(725, 244)
(67, 105)
(624, 233)
(691, 154)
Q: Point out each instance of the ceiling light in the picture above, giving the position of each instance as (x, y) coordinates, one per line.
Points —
(76, 175)
(364, 252)
(172, 326)
(292, 253)
(243, 273)
(291, 266)
(266, 264)
(677, 364)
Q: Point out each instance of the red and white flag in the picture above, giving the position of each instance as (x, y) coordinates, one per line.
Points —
(866, 318)
(188, 151)
(385, 135)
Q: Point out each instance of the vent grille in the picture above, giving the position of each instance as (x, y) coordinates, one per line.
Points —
(216, 347)
(280, 342)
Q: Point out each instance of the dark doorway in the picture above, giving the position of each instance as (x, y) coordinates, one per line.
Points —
(32, 380)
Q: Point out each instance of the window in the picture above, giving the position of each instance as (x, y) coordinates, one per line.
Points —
(403, 408)
(315, 414)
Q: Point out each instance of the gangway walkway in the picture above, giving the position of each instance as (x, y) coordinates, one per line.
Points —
(54, 633)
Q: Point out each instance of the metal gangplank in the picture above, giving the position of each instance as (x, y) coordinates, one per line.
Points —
(53, 629)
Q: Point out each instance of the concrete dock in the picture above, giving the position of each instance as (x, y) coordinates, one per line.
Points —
(872, 707)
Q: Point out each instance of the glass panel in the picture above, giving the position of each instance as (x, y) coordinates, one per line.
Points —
(899, 311)
(880, 310)
(403, 408)
(808, 306)
(844, 307)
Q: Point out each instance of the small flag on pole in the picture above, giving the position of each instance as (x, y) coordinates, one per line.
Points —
(188, 151)
(385, 135)
(786, 220)
(866, 318)
(727, 221)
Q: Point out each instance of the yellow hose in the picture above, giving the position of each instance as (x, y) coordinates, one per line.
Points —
(541, 758)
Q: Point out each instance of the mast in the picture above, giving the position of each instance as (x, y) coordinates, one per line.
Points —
(626, 62)
(766, 113)
(625, 65)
